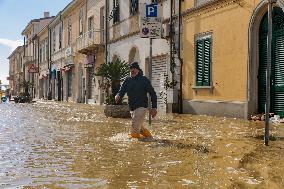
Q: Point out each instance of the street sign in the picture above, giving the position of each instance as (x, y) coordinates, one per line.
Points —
(152, 10)
(150, 20)
(150, 29)
(32, 69)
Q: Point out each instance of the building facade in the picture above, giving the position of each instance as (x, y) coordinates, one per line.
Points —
(91, 44)
(225, 57)
(31, 51)
(43, 63)
(57, 57)
(16, 74)
(74, 18)
(125, 42)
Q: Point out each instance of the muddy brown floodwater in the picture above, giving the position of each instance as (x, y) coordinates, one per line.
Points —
(64, 145)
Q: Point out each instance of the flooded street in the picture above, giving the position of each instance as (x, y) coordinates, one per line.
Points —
(65, 145)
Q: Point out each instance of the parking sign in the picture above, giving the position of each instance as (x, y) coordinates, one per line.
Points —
(152, 10)
(150, 20)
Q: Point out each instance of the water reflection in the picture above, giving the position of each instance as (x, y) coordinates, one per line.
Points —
(65, 145)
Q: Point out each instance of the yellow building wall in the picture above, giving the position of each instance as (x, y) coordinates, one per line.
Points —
(229, 23)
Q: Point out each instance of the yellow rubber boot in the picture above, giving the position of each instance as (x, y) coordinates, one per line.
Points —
(146, 133)
(134, 135)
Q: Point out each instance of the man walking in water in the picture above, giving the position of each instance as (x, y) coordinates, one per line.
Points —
(137, 86)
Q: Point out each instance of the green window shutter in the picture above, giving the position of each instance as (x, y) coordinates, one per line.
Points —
(203, 62)
(262, 73)
(278, 84)
(207, 62)
(199, 62)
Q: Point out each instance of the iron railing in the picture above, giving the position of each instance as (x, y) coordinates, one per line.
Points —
(89, 39)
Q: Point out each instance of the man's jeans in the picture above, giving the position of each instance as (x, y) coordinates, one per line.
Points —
(138, 116)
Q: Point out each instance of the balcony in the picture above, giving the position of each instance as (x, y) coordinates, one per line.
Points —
(28, 60)
(10, 77)
(124, 28)
(58, 55)
(90, 42)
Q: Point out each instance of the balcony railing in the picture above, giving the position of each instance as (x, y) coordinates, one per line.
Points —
(60, 54)
(90, 40)
(10, 77)
(28, 59)
(125, 27)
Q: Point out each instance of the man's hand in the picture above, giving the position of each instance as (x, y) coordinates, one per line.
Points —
(153, 112)
(117, 98)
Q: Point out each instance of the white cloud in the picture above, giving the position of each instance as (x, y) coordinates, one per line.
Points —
(10, 43)
(4, 65)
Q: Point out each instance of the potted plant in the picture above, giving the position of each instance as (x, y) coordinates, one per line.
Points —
(24, 96)
(113, 73)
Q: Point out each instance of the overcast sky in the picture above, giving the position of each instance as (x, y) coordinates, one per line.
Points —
(14, 16)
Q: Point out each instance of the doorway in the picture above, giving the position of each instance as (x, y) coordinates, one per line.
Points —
(277, 63)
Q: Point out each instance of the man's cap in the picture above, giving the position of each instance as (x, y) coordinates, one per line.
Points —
(134, 65)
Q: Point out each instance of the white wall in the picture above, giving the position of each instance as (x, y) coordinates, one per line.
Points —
(122, 48)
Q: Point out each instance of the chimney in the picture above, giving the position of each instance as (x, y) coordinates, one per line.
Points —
(46, 14)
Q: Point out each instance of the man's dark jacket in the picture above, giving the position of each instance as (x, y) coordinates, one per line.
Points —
(136, 89)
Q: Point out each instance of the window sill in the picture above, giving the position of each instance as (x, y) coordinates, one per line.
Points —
(202, 87)
(197, 88)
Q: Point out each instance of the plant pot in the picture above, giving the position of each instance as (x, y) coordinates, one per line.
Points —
(117, 111)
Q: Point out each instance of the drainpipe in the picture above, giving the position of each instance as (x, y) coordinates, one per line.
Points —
(61, 74)
(106, 30)
(38, 47)
(171, 38)
(24, 67)
(179, 57)
(49, 97)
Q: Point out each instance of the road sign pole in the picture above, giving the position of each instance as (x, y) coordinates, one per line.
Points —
(268, 71)
(150, 78)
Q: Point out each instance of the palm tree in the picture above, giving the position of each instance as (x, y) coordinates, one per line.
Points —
(114, 72)
(26, 85)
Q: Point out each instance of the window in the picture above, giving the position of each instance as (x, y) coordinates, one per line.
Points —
(21, 59)
(90, 26)
(115, 11)
(90, 23)
(69, 32)
(54, 41)
(60, 37)
(40, 55)
(203, 61)
(81, 23)
(133, 7)
(46, 49)
(43, 51)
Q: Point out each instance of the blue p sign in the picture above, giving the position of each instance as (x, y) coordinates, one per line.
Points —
(152, 10)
